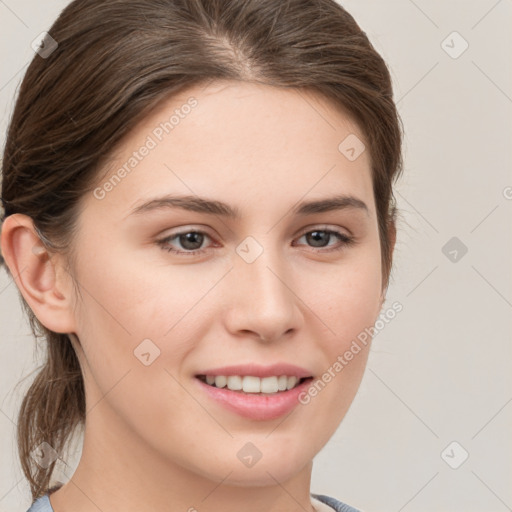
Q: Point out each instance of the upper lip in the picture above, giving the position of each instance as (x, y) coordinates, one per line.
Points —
(259, 371)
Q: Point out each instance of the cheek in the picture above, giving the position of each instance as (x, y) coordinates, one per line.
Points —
(129, 316)
(133, 313)
(346, 304)
(346, 297)
(347, 301)
(138, 298)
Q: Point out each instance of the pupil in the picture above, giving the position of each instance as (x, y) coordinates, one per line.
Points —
(188, 238)
(315, 237)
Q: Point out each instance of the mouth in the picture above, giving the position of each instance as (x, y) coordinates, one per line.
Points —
(257, 398)
(251, 384)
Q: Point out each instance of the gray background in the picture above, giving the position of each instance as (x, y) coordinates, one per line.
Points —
(440, 371)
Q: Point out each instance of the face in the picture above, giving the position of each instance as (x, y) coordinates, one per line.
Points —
(174, 289)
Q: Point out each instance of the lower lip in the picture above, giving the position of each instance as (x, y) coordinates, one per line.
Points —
(256, 406)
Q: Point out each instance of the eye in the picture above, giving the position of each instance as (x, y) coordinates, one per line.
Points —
(319, 238)
(191, 241)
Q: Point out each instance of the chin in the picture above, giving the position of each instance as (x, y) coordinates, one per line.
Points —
(262, 475)
(264, 472)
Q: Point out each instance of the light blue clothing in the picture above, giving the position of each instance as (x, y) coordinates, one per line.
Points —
(335, 504)
(42, 504)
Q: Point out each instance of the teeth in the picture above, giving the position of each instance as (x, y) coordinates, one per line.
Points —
(251, 384)
(235, 382)
(291, 382)
(269, 385)
(220, 381)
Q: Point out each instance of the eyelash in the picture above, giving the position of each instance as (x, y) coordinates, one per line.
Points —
(345, 240)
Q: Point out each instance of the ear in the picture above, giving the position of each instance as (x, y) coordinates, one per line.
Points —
(392, 242)
(41, 278)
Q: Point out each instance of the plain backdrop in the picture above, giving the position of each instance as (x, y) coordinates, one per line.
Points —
(438, 386)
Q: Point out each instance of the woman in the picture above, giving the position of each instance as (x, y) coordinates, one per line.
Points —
(199, 218)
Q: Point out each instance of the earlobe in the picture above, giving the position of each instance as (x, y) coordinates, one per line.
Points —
(392, 236)
(392, 241)
(39, 276)
(382, 300)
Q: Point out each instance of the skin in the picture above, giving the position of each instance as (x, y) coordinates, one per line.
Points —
(152, 437)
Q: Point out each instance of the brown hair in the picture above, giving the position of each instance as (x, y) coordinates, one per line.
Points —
(114, 62)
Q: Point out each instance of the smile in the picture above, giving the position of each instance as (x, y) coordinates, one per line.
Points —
(270, 402)
(253, 384)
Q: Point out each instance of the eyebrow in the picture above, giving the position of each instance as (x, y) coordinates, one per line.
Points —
(213, 207)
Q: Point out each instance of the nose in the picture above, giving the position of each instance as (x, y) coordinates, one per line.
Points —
(260, 299)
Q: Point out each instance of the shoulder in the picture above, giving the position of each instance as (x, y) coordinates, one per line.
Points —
(42, 504)
(335, 504)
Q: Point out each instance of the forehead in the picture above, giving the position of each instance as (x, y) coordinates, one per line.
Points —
(254, 141)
